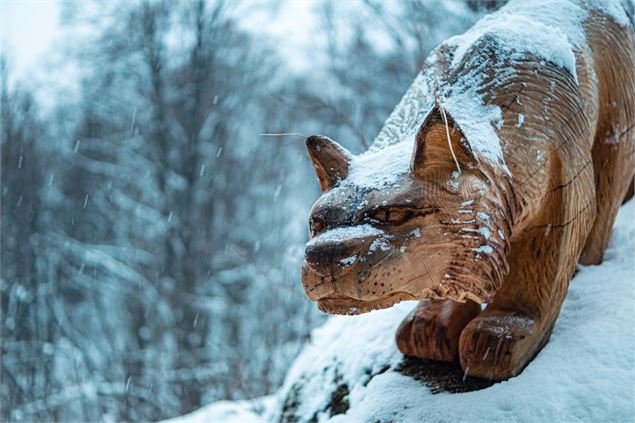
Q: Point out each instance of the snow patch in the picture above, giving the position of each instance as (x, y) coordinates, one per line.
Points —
(380, 243)
(348, 261)
(515, 35)
(521, 120)
(452, 182)
(344, 233)
(475, 119)
(485, 231)
(486, 249)
(549, 29)
(483, 216)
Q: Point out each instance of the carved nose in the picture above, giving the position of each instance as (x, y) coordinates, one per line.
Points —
(332, 257)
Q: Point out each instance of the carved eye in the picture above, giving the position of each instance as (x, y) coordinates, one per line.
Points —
(316, 225)
(389, 215)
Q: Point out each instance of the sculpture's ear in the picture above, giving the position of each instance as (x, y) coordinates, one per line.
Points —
(432, 146)
(331, 161)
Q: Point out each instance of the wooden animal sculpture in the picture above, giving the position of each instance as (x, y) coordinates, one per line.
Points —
(501, 168)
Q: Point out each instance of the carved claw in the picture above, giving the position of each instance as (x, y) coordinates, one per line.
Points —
(498, 344)
(432, 330)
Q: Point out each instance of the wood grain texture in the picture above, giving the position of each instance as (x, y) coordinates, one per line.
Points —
(482, 235)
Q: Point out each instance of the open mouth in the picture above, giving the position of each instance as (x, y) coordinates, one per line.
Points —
(352, 306)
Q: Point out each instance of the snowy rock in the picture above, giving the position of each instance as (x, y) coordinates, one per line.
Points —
(228, 412)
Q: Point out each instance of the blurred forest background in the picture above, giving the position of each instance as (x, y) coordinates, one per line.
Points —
(152, 236)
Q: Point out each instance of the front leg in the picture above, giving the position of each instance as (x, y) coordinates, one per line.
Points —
(433, 328)
(505, 337)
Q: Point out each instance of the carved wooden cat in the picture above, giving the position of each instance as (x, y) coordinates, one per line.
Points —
(502, 168)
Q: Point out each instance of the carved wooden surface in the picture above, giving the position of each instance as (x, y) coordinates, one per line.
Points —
(461, 225)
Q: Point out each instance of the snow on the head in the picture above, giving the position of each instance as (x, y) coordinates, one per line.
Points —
(382, 168)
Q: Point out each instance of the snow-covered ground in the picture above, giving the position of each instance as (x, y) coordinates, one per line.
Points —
(230, 412)
(586, 373)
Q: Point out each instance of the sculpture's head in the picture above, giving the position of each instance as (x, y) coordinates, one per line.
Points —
(403, 223)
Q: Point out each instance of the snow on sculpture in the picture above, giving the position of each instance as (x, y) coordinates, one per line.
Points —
(501, 168)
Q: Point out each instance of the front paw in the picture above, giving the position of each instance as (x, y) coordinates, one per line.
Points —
(498, 344)
(432, 330)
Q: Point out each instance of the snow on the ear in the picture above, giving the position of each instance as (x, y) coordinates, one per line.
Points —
(477, 121)
(389, 156)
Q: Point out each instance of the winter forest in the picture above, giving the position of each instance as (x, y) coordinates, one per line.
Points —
(154, 207)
